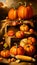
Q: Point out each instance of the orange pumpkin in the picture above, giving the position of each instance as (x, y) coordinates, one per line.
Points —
(5, 53)
(17, 50)
(32, 39)
(29, 49)
(19, 34)
(10, 33)
(25, 12)
(29, 41)
(24, 28)
(12, 14)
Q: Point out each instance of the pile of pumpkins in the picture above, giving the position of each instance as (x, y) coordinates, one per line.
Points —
(26, 45)
(21, 32)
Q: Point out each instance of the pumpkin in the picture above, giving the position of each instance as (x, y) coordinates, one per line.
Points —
(19, 34)
(24, 28)
(23, 42)
(10, 33)
(29, 49)
(25, 12)
(32, 39)
(12, 14)
(29, 41)
(5, 53)
(17, 50)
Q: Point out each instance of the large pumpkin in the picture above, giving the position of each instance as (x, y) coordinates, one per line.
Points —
(17, 50)
(5, 53)
(12, 14)
(29, 49)
(25, 12)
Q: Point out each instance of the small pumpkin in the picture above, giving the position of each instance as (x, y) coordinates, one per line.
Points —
(10, 33)
(24, 28)
(25, 12)
(19, 34)
(32, 39)
(5, 53)
(17, 50)
(29, 49)
(12, 14)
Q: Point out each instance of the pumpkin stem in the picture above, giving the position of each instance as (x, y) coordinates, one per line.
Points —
(23, 24)
(25, 3)
(4, 48)
(16, 44)
(30, 4)
(20, 3)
